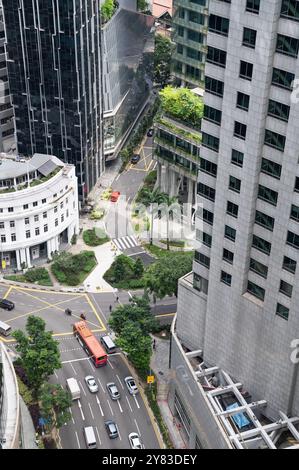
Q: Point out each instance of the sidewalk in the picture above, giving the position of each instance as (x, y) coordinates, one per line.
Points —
(159, 364)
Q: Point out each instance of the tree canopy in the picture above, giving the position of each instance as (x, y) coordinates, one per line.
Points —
(161, 278)
(162, 60)
(54, 405)
(183, 104)
(39, 352)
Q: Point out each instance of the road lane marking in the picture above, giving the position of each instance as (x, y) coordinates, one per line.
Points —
(119, 406)
(101, 385)
(98, 435)
(99, 404)
(136, 401)
(71, 413)
(75, 372)
(75, 360)
(90, 363)
(103, 328)
(8, 292)
(110, 408)
(165, 315)
(80, 408)
(120, 382)
(137, 427)
(82, 387)
(110, 364)
(91, 411)
(119, 433)
(78, 440)
(129, 404)
(56, 374)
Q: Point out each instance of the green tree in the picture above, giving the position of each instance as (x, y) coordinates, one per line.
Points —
(170, 203)
(182, 104)
(152, 198)
(138, 311)
(138, 346)
(162, 59)
(39, 352)
(161, 278)
(54, 405)
(138, 268)
(107, 9)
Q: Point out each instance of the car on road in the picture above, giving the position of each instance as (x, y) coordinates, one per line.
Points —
(150, 132)
(135, 441)
(113, 391)
(114, 196)
(111, 428)
(7, 304)
(135, 158)
(131, 385)
(91, 384)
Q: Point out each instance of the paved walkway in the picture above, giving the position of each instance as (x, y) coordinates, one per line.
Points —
(160, 365)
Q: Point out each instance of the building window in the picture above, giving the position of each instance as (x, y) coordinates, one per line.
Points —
(294, 213)
(55, 209)
(10, 209)
(202, 259)
(246, 70)
(264, 220)
(56, 222)
(206, 191)
(287, 45)
(61, 205)
(219, 25)
(237, 158)
(253, 6)
(256, 290)
(296, 188)
(226, 278)
(27, 221)
(208, 216)
(200, 283)
(289, 265)
(25, 207)
(36, 218)
(282, 79)
(234, 184)
(35, 204)
(1, 224)
(213, 86)
(232, 209)
(212, 114)
(258, 268)
(204, 238)
(27, 233)
(37, 231)
(262, 245)
(208, 167)
(13, 237)
(45, 228)
(62, 218)
(216, 56)
(243, 101)
(275, 140)
(230, 233)
(249, 37)
(268, 195)
(3, 239)
(240, 130)
(44, 215)
(293, 240)
(228, 256)
(282, 311)
(210, 142)
(286, 288)
(271, 168)
(290, 9)
(44, 201)
(12, 224)
(278, 110)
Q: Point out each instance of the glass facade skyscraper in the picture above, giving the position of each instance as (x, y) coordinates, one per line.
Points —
(54, 67)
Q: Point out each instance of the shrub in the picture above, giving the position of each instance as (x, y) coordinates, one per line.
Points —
(125, 273)
(95, 237)
(183, 104)
(73, 269)
(151, 393)
(74, 239)
(38, 276)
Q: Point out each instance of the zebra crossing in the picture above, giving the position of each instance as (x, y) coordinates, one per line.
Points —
(124, 243)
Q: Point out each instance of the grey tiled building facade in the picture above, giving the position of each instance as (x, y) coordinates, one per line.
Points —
(239, 307)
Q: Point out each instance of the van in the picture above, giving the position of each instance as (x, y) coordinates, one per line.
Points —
(7, 304)
(73, 388)
(90, 438)
(108, 344)
(4, 329)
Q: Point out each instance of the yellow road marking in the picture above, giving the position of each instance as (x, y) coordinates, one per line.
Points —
(165, 315)
(8, 292)
(71, 333)
(95, 312)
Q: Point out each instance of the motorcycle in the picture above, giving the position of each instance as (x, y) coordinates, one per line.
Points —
(68, 311)
(83, 316)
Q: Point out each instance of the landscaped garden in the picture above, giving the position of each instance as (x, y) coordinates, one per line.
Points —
(71, 270)
(39, 276)
(95, 237)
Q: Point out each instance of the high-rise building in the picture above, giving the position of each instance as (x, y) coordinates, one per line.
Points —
(237, 312)
(54, 66)
(6, 109)
(190, 26)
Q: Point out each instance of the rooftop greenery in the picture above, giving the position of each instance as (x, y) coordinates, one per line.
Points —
(182, 104)
(107, 10)
(175, 129)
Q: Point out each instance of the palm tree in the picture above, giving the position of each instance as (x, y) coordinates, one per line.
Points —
(168, 200)
(148, 199)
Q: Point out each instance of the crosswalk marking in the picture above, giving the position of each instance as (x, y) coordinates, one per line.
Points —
(124, 243)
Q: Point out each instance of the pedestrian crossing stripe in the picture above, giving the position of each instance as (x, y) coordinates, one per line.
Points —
(125, 243)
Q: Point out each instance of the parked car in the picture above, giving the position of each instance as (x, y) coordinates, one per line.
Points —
(111, 428)
(113, 391)
(131, 385)
(135, 158)
(91, 384)
(135, 442)
(7, 304)
(150, 132)
(114, 196)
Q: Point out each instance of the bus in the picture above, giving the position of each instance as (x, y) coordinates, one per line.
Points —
(90, 344)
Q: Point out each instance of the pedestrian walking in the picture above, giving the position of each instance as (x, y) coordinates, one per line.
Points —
(117, 299)
(154, 345)
(110, 308)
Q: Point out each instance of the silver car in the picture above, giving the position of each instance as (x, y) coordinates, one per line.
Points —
(91, 384)
(113, 391)
(135, 441)
(131, 385)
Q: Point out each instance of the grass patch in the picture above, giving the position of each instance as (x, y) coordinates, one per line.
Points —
(39, 276)
(95, 237)
(151, 393)
(71, 270)
(175, 243)
(125, 273)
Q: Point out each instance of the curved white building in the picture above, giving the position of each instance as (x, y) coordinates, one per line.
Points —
(38, 209)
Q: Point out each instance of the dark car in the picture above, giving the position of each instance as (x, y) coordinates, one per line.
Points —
(135, 158)
(150, 132)
(111, 429)
(7, 304)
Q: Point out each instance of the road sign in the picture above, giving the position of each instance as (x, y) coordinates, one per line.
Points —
(150, 379)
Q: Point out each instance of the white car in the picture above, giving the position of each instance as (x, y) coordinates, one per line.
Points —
(113, 391)
(91, 384)
(135, 442)
(131, 385)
